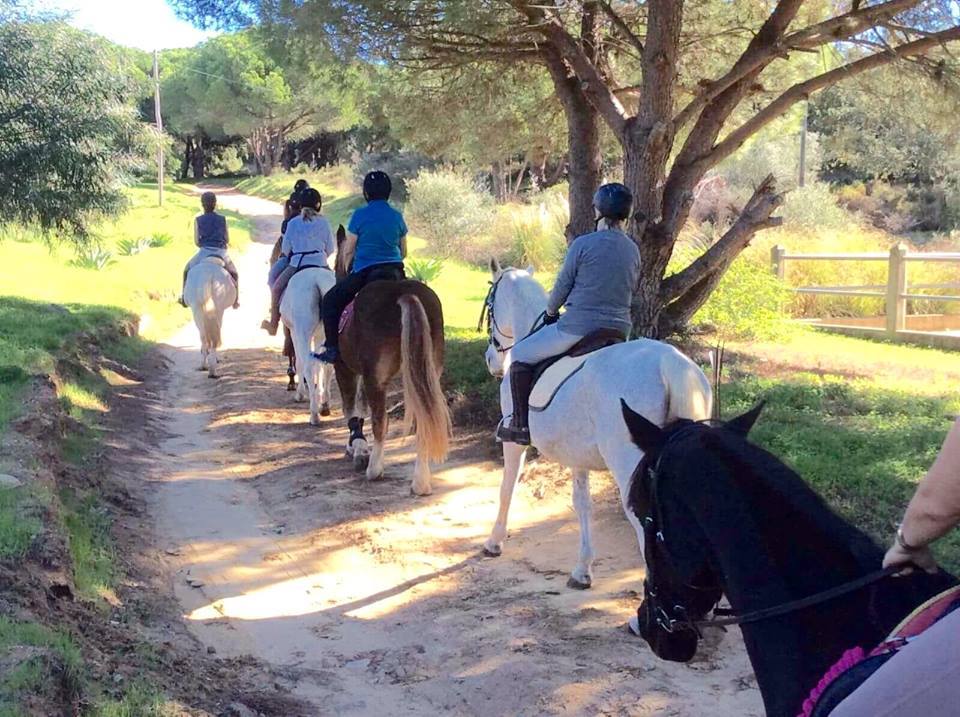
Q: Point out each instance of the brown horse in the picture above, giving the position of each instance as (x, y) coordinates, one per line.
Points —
(396, 327)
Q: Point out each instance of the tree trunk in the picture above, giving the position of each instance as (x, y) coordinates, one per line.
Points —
(499, 181)
(185, 161)
(583, 139)
(199, 159)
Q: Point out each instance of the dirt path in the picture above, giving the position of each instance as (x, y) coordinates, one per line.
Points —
(373, 602)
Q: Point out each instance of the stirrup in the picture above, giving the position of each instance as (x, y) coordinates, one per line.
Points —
(507, 433)
(328, 355)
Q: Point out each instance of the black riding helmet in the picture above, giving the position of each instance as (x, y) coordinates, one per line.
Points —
(300, 185)
(310, 198)
(613, 201)
(376, 185)
(294, 201)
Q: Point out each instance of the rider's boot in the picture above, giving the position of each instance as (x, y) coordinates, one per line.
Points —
(521, 382)
(270, 325)
(330, 354)
(236, 283)
(183, 286)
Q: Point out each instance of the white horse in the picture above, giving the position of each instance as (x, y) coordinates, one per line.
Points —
(209, 291)
(300, 311)
(582, 426)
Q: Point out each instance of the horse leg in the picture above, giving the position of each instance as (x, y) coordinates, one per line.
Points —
(582, 576)
(325, 385)
(421, 474)
(306, 368)
(356, 442)
(212, 363)
(377, 398)
(291, 354)
(513, 457)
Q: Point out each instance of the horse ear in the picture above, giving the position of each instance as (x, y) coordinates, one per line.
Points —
(341, 234)
(530, 270)
(742, 424)
(648, 436)
(495, 268)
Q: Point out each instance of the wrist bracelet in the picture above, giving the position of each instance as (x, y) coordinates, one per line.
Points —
(901, 541)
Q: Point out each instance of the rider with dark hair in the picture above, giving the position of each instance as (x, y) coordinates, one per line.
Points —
(211, 236)
(595, 284)
(376, 245)
(308, 241)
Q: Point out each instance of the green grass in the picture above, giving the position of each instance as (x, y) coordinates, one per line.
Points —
(141, 700)
(57, 666)
(20, 511)
(91, 547)
(146, 284)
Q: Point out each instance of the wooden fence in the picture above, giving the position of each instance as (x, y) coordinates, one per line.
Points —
(896, 292)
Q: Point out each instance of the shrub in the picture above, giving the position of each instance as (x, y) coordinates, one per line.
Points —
(93, 258)
(425, 270)
(537, 238)
(814, 207)
(130, 247)
(403, 168)
(748, 303)
(159, 239)
(447, 211)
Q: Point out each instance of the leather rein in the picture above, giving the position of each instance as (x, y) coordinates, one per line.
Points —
(488, 318)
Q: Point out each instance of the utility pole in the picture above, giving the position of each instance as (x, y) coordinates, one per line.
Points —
(803, 145)
(156, 112)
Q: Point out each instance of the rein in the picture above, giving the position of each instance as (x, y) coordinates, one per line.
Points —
(654, 523)
(486, 313)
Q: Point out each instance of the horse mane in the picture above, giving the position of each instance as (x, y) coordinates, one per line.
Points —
(780, 501)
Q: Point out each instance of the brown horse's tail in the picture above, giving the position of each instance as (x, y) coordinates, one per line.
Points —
(425, 406)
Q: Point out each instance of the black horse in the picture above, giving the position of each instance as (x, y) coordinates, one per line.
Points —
(724, 516)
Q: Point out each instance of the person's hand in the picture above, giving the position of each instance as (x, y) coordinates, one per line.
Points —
(550, 319)
(919, 557)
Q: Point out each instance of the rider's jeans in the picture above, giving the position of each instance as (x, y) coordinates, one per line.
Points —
(543, 344)
(922, 679)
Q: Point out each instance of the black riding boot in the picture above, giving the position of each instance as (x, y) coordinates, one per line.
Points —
(521, 382)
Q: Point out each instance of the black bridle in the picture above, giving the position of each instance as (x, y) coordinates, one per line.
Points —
(487, 315)
(677, 617)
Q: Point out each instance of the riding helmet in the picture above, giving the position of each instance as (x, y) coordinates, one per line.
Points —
(300, 185)
(310, 198)
(376, 185)
(613, 201)
(294, 201)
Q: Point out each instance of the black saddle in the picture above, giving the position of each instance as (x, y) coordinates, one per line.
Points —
(594, 341)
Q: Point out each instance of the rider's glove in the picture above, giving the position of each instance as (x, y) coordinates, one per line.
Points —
(550, 319)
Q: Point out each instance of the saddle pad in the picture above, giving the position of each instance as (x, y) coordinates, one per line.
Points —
(346, 317)
(553, 379)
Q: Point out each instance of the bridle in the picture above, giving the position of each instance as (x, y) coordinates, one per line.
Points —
(677, 618)
(489, 319)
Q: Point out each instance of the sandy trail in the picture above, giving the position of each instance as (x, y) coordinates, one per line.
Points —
(373, 602)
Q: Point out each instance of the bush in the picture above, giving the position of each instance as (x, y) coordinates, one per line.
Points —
(403, 167)
(748, 304)
(159, 239)
(538, 235)
(93, 258)
(448, 212)
(814, 207)
(425, 270)
(130, 247)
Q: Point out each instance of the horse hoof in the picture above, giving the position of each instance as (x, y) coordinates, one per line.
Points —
(360, 463)
(378, 476)
(213, 376)
(314, 421)
(291, 387)
(575, 584)
(633, 626)
(492, 552)
(420, 492)
(324, 410)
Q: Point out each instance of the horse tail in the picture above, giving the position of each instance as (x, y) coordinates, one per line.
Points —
(425, 406)
(204, 308)
(689, 394)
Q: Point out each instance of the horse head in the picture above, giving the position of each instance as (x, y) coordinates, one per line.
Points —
(513, 303)
(681, 586)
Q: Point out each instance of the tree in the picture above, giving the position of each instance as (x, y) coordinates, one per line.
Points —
(69, 134)
(232, 85)
(680, 85)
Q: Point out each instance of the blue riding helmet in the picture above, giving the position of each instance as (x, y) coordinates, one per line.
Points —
(613, 201)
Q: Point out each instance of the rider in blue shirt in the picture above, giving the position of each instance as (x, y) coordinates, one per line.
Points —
(376, 244)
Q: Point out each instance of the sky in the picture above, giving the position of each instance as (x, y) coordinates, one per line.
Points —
(146, 24)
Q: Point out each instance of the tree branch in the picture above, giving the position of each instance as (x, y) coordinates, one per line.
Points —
(802, 90)
(756, 215)
(593, 84)
(837, 28)
(618, 22)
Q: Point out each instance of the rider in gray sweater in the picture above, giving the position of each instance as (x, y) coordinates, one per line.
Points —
(595, 285)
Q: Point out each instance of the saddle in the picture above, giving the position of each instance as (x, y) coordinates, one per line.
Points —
(377, 274)
(856, 666)
(550, 375)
